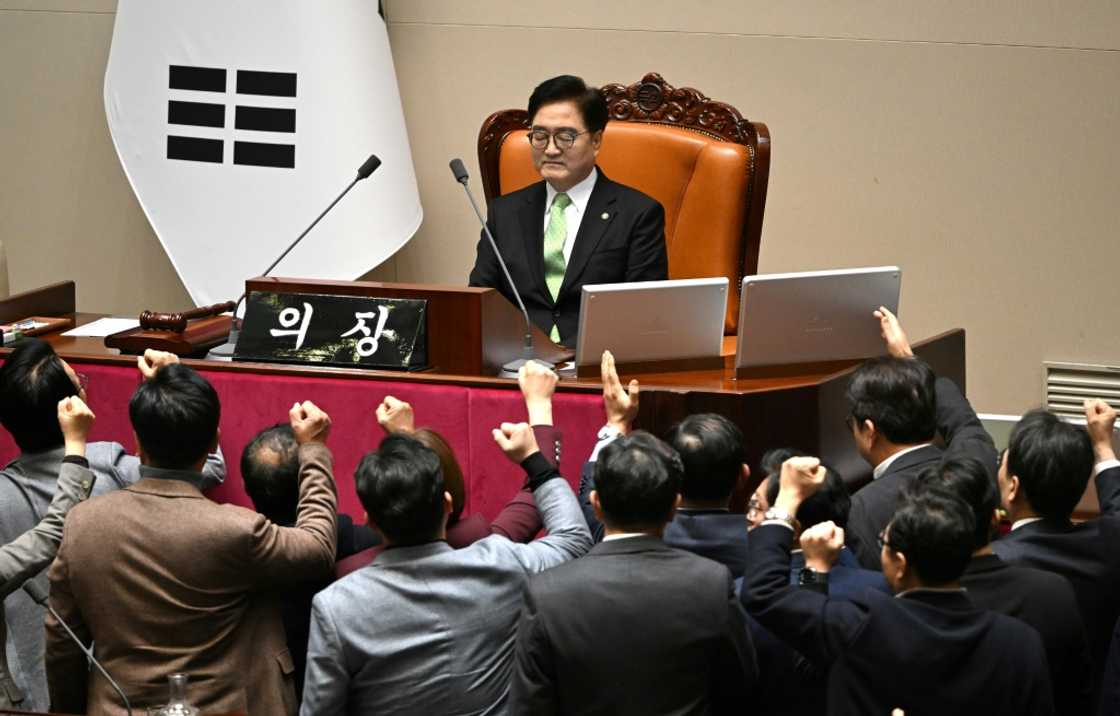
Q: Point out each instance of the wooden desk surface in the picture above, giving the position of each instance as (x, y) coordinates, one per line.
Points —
(723, 380)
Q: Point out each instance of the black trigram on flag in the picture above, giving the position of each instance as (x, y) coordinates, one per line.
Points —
(246, 116)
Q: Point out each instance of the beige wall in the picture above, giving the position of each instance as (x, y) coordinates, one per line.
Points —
(971, 143)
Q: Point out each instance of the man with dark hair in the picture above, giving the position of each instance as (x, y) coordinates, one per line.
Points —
(928, 650)
(33, 380)
(163, 580)
(635, 627)
(270, 469)
(427, 628)
(896, 406)
(712, 451)
(577, 226)
(1042, 476)
(1043, 600)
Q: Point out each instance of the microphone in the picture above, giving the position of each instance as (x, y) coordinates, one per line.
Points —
(38, 594)
(461, 176)
(225, 351)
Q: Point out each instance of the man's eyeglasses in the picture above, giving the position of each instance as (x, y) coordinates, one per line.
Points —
(754, 509)
(564, 138)
(883, 541)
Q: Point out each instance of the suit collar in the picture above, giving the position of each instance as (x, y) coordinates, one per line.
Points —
(167, 483)
(591, 229)
(630, 545)
(985, 564)
(955, 599)
(398, 555)
(907, 459)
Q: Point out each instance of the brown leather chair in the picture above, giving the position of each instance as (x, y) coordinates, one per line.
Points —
(706, 165)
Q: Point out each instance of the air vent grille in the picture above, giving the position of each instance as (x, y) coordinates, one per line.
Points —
(1069, 384)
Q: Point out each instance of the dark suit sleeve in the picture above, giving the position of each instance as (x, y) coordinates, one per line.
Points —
(533, 689)
(648, 259)
(486, 272)
(353, 538)
(1108, 490)
(586, 485)
(963, 432)
(818, 627)
(736, 671)
(1110, 681)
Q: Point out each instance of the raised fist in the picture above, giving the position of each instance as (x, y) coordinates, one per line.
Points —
(309, 423)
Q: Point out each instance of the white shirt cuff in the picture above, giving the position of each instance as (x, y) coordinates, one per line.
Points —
(1105, 465)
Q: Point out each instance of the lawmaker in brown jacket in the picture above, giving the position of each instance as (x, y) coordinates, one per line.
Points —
(163, 580)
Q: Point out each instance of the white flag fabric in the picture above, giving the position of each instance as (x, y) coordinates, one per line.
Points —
(238, 121)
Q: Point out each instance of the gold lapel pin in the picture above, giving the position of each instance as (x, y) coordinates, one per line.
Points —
(605, 216)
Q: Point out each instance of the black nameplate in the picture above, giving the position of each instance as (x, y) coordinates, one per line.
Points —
(353, 331)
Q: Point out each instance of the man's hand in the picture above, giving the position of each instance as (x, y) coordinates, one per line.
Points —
(309, 423)
(898, 345)
(821, 544)
(1100, 419)
(621, 403)
(537, 385)
(800, 478)
(75, 418)
(395, 416)
(153, 360)
(516, 440)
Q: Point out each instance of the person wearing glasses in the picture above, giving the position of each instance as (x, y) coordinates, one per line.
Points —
(33, 380)
(576, 226)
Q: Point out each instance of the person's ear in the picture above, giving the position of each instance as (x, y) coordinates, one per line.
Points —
(139, 449)
(596, 140)
(448, 504)
(596, 506)
(1012, 489)
(902, 567)
(676, 505)
(216, 441)
(745, 475)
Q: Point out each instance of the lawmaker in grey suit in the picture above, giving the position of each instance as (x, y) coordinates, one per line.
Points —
(31, 552)
(33, 380)
(426, 628)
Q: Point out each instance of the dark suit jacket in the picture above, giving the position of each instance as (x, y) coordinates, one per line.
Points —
(874, 505)
(1046, 602)
(1087, 554)
(628, 245)
(634, 627)
(927, 652)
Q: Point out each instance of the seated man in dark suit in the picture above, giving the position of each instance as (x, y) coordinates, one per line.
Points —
(896, 407)
(577, 226)
(928, 650)
(1042, 476)
(1042, 599)
(270, 468)
(635, 627)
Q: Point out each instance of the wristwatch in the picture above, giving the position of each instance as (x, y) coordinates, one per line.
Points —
(812, 578)
(777, 513)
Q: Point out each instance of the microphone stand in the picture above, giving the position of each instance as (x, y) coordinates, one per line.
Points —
(224, 352)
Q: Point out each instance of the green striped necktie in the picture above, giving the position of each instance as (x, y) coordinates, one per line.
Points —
(554, 237)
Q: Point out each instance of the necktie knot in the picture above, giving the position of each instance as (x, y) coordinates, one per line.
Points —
(562, 200)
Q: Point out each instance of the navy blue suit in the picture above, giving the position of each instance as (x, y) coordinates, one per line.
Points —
(1088, 555)
(927, 651)
(873, 506)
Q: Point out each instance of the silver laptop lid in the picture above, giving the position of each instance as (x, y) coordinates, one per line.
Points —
(814, 316)
(652, 320)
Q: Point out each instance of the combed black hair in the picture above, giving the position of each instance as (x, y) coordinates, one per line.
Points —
(935, 532)
(175, 415)
(772, 460)
(897, 395)
(968, 480)
(712, 452)
(401, 487)
(270, 468)
(568, 88)
(32, 382)
(1053, 461)
(638, 478)
(832, 502)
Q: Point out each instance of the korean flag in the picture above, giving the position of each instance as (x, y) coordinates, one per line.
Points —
(238, 121)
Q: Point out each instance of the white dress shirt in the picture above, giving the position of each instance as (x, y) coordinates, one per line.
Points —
(580, 194)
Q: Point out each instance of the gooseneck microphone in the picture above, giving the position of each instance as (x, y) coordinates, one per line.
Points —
(461, 176)
(40, 596)
(225, 351)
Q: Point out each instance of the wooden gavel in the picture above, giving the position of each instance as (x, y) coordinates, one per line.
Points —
(177, 322)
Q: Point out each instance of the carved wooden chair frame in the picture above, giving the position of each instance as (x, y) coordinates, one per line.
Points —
(654, 101)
